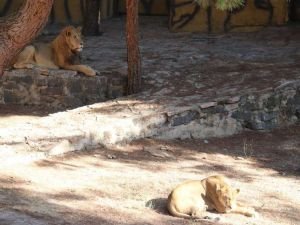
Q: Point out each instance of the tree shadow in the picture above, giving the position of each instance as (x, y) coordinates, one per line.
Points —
(56, 164)
(19, 206)
(25, 110)
(278, 150)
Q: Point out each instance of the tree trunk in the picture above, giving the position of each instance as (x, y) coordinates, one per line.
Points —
(20, 28)
(133, 52)
(91, 18)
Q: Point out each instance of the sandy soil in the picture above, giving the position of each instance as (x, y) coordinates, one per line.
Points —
(129, 184)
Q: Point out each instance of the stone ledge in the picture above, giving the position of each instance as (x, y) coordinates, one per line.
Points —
(59, 88)
(115, 122)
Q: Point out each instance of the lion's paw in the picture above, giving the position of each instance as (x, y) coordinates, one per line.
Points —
(252, 213)
(90, 72)
(29, 66)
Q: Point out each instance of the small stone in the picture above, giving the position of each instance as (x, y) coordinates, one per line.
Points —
(239, 158)
(206, 141)
(207, 105)
(164, 148)
(158, 153)
(111, 156)
(233, 100)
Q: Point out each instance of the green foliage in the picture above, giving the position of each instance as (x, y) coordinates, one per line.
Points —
(204, 3)
(227, 5)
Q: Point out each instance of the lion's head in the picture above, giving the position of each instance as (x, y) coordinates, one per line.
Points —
(227, 196)
(73, 38)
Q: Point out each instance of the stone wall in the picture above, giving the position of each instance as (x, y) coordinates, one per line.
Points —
(188, 16)
(116, 122)
(256, 111)
(59, 88)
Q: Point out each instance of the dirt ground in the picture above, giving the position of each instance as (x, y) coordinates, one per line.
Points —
(129, 184)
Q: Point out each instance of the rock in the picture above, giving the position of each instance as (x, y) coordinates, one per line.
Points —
(207, 105)
(61, 148)
(184, 118)
(164, 148)
(159, 153)
(233, 100)
(239, 158)
(109, 156)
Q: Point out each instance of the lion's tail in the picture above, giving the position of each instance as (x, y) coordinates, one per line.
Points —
(172, 210)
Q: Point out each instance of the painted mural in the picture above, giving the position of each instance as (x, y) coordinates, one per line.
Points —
(148, 7)
(186, 15)
(63, 11)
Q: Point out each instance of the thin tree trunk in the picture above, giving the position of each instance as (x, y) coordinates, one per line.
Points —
(91, 18)
(133, 52)
(20, 28)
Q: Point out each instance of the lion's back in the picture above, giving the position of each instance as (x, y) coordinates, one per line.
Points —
(43, 52)
(187, 195)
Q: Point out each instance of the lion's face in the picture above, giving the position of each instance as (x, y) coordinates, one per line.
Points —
(227, 197)
(74, 38)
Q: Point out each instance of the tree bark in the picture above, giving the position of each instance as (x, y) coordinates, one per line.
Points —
(20, 28)
(91, 18)
(133, 51)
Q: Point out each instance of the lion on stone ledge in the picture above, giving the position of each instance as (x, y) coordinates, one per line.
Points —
(62, 53)
(193, 198)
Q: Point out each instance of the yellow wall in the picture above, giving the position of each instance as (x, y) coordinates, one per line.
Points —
(188, 16)
(185, 15)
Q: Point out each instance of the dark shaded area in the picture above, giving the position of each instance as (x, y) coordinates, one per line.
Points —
(91, 18)
(158, 205)
(14, 110)
(295, 10)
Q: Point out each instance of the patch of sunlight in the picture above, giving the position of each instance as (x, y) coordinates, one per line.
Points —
(10, 157)
(7, 121)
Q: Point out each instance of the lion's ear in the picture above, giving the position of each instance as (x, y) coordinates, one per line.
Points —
(218, 189)
(237, 190)
(79, 29)
(68, 32)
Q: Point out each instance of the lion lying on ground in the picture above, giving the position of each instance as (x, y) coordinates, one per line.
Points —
(192, 199)
(62, 53)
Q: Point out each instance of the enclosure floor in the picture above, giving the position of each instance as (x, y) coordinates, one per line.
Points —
(44, 181)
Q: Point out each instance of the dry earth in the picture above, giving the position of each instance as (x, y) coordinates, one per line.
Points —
(129, 184)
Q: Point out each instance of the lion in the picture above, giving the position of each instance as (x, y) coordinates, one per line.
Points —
(62, 53)
(193, 198)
